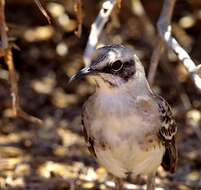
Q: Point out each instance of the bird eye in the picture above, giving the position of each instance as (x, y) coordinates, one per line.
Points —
(116, 66)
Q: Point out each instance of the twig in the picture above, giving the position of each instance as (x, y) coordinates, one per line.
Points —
(79, 15)
(164, 21)
(165, 36)
(17, 111)
(186, 60)
(6, 52)
(96, 29)
(164, 29)
(43, 11)
(4, 38)
(12, 78)
(158, 50)
(29, 117)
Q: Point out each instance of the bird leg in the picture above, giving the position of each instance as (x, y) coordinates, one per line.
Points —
(118, 184)
(151, 181)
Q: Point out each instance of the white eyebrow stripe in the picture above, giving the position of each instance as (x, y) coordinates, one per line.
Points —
(112, 56)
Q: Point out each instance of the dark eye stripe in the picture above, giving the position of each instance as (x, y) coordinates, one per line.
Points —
(106, 69)
(126, 71)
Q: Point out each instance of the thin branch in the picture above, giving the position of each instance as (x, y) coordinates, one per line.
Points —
(43, 11)
(4, 38)
(165, 37)
(17, 111)
(96, 29)
(155, 58)
(12, 78)
(6, 52)
(79, 15)
(164, 29)
(186, 60)
(164, 22)
(29, 117)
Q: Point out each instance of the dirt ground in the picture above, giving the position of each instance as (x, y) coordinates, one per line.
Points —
(53, 156)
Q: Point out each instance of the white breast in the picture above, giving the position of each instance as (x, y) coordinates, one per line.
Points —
(126, 136)
(138, 162)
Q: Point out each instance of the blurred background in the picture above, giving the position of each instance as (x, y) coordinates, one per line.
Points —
(53, 155)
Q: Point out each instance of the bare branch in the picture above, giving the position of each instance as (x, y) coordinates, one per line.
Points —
(12, 78)
(17, 111)
(165, 36)
(158, 50)
(4, 38)
(96, 29)
(186, 60)
(164, 29)
(163, 23)
(43, 11)
(29, 117)
(79, 15)
(6, 52)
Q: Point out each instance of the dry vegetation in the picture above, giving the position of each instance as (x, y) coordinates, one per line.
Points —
(49, 153)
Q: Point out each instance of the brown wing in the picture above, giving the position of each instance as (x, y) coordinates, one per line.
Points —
(89, 140)
(167, 135)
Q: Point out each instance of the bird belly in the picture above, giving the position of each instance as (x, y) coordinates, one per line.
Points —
(125, 134)
(138, 162)
(128, 147)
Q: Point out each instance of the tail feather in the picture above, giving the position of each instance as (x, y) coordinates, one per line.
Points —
(170, 157)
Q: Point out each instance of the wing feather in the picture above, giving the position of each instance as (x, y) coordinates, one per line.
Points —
(89, 140)
(167, 135)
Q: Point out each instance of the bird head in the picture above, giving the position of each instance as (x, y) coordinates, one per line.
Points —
(112, 66)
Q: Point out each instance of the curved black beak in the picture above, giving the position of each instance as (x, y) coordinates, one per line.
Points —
(85, 71)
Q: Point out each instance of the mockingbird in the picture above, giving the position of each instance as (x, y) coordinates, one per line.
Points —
(128, 129)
